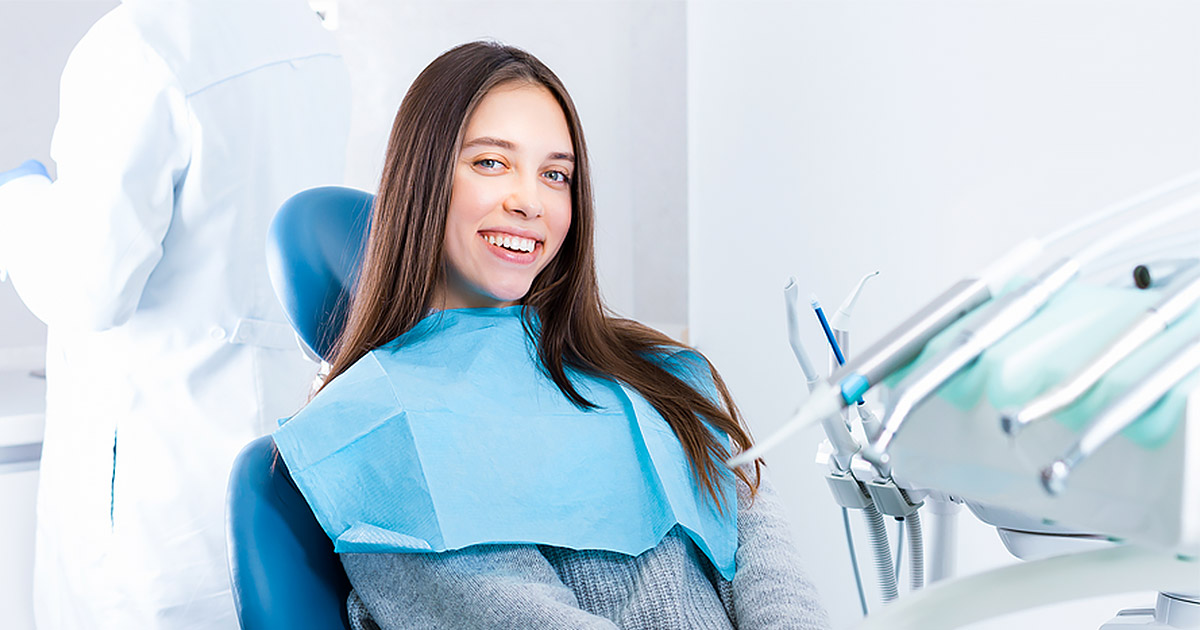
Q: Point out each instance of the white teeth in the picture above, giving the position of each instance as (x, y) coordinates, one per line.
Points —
(508, 241)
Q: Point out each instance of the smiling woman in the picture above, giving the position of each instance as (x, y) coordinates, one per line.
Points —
(492, 448)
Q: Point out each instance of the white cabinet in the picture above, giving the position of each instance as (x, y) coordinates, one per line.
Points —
(22, 406)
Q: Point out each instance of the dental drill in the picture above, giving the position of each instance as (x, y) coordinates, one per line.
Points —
(1122, 413)
(999, 319)
(1169, 309)
(905, 342)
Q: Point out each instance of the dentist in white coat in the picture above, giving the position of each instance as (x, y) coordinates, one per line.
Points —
(182, 128)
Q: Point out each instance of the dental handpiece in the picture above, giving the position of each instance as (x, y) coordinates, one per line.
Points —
(1174, 305)
(1121, 414)
(1000, 318)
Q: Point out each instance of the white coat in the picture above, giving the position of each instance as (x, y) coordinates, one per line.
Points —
(183, 126)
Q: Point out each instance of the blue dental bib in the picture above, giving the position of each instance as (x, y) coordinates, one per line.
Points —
(452, 436)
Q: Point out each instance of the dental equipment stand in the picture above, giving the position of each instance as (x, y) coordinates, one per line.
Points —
(839, 456)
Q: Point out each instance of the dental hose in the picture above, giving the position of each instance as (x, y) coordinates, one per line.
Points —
(877, 532)
(916, 551)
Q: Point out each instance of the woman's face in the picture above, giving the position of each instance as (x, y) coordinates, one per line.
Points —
(510, 205)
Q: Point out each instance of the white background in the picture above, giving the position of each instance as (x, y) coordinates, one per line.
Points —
(735, 144)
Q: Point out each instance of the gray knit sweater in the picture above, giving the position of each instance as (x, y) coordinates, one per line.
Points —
(525, 586)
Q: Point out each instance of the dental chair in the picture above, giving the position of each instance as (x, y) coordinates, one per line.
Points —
(282, 567)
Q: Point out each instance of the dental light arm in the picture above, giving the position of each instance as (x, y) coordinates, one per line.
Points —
(1122, 413)
(1152, 322)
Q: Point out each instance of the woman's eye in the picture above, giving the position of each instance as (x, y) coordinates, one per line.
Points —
(488, 163)
(559, 177)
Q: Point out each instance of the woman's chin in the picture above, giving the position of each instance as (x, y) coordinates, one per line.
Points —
(507, 296)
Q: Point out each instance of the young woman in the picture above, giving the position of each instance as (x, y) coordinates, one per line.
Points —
(558, 467)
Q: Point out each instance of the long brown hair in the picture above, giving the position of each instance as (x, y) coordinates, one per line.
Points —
(402, 263)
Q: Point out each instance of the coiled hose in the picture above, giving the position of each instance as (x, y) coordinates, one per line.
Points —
(916, 550)
(877, 532)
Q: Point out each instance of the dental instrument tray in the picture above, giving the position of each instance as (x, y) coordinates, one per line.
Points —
(1142, 484)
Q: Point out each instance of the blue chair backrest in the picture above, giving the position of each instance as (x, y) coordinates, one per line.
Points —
(314, 247)
(282, 566)
(283, 570)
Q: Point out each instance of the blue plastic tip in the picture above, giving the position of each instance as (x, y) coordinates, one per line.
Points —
(853, 387)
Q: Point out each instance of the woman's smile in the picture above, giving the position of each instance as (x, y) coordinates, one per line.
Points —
(513, 249)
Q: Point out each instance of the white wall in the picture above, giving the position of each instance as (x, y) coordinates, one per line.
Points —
(919, 138)
(624, 64)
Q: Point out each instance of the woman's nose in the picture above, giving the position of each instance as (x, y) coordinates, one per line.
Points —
(524, 198)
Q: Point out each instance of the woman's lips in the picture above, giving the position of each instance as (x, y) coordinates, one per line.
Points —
(508, 255)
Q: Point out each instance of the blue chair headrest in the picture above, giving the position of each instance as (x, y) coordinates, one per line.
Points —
(314, 247)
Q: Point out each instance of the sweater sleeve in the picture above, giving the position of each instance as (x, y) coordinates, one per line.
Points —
(769, 589)
(484, 586)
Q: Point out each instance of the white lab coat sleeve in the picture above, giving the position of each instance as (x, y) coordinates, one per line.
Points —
(80, 250)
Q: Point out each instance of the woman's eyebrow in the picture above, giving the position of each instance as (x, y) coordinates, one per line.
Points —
(490, 141)
(509, 146)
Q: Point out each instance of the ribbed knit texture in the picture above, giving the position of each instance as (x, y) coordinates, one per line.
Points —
(525, 586)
